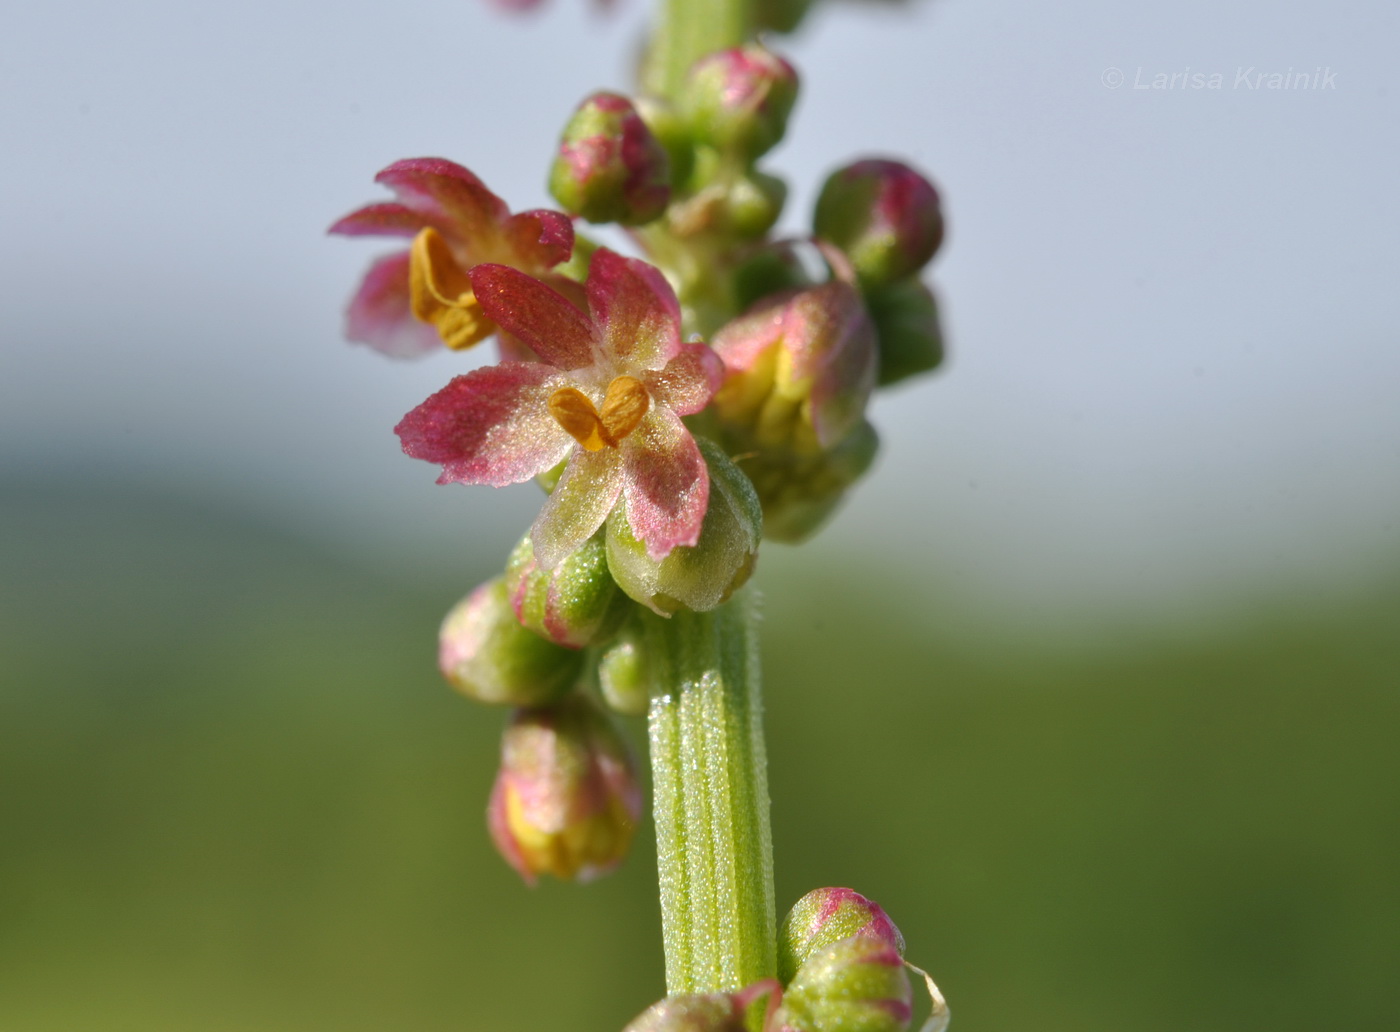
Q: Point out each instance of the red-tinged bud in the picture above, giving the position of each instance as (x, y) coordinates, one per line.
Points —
(857, 984)
(710, 1012)
(825, 916)
(908, 329)
(486, 654)
(566, 800)
(885, 216)
(610, 167)
(800, 369)
(738, 100)
(574, 604)
(702, 576)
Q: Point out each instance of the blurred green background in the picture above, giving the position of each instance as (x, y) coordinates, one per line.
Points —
(234, 796)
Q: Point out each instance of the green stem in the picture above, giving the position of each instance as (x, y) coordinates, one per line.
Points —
(714, 843)
(689, 30)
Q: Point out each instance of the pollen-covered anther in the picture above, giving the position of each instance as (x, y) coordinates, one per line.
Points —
(624, 405)
(440, 293)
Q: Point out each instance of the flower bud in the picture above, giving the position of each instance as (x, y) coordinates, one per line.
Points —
(884, 216)
(857, 984)
(610, 167)
(566, 800)
(701, 576)
(800, 491)
(752, 204)
(825, 916)
(907, 326)
(486, 654)
(711, 1012)
(738, 100)
(624, 679)
(771, 269)
(801, 367)
(575, 604)
(673, 133)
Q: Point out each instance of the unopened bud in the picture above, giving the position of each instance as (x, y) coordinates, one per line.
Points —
(738, 100)
(885, 216)
(710, 1012)
(774, 268)
(610, 167)
(825, 916)
(908, 329)
(800, 368)
(574, 604)
(800, 491)
(566, 800)
(752, 204)
(702, 576)
(486, 654)
(673, 133)
(856, 984)
(624, 678)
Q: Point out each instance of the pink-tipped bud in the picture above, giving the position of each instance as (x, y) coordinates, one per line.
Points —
(610, 167)
(825, 916)
(574, 604)
(486, 654)
(566, 800)
(799, 368)
(710, 1012)
(738, 100)
(857, 984)
(885, 216)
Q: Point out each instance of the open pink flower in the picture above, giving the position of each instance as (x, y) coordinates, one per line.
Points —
(607, 394)
(457, 223)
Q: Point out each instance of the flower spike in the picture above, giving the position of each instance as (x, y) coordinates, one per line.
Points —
(456, 223)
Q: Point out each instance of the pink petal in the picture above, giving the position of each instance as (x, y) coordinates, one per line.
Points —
(540, 238)
(667, 485)
(491, 426)
(540, 316)
(387, 219)
(689, 380)
(440, 188)
(379, 315)
(636, 310)
(579, 504)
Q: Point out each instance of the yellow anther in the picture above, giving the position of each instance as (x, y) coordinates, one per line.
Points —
(440, 293)
(624, 405)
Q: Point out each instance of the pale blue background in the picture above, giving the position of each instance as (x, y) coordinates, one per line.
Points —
(1173, 314)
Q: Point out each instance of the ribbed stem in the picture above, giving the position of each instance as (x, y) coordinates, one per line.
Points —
(714, 842)
(689, 30)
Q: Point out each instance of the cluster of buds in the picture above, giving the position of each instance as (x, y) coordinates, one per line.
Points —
(841, 968)
(665, 459)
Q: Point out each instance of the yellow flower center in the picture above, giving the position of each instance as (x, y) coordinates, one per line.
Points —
(440, 293)
(624, 405)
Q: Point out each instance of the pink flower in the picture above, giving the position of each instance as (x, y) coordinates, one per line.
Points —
(457, 223)
(607, 395)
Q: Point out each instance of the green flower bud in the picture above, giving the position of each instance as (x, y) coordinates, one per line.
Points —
(907, 328)
(575, 604)
(566, 800)
(885, 216)
(711, 1012)
(826, 916)
(610, 167)
(772, 269)
(856, 984)
(624, 679)
(702, 576)
(800, 491)
(753, 203)
(673, 133)
(738, 100)
(486, 654)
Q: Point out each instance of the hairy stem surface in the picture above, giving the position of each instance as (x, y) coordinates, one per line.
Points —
(714, 842)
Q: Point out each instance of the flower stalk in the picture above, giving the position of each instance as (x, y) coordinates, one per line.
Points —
(709, 770)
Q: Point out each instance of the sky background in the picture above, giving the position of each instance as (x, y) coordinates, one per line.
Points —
(1172, 313)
